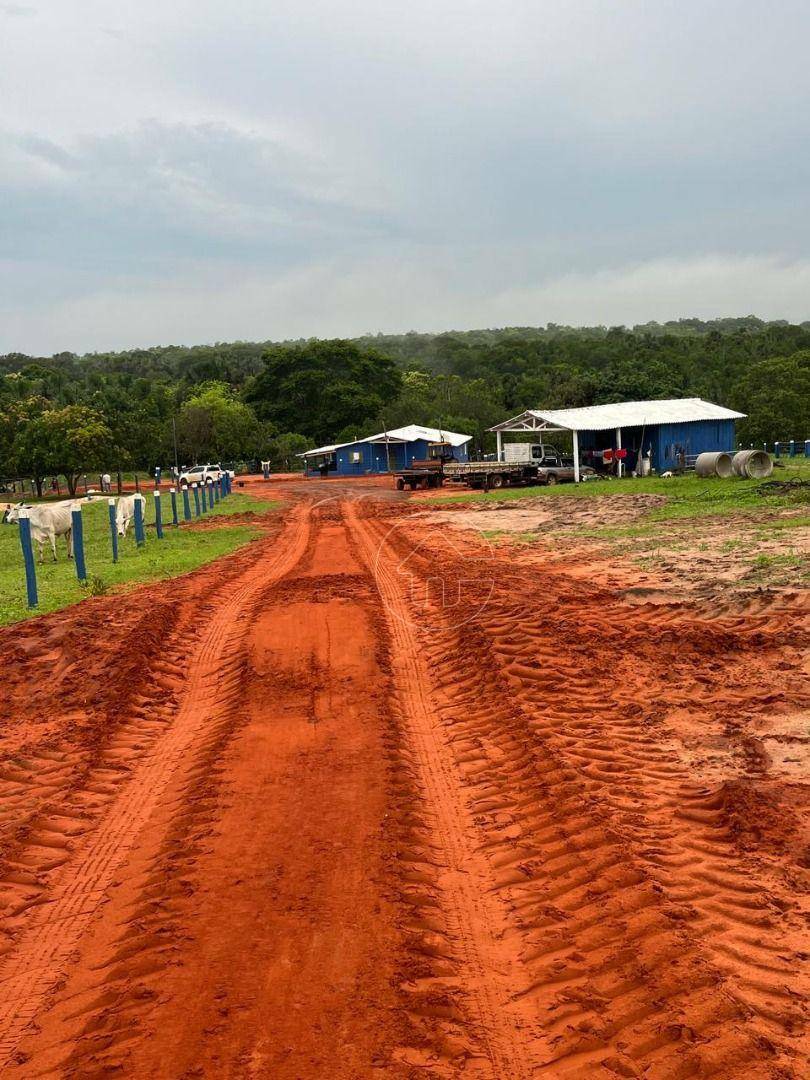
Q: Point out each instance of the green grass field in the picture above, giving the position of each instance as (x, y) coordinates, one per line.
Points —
(178, 552)
(687, 496)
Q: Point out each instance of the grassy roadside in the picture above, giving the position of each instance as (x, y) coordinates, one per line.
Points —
(180, 550)
(732, 534)
(686, 496)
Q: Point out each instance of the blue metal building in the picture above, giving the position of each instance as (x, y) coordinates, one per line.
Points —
(671, 431)
(384, 452)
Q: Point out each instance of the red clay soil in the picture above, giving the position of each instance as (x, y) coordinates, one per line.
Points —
(362, 801)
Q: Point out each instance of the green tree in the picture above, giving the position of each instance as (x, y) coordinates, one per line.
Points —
(214, 425)
(282, 450)
(70, 441)
(776, 396)
(14, 418)
(320, 387)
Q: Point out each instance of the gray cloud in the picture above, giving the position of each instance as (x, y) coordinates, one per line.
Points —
(321, 166)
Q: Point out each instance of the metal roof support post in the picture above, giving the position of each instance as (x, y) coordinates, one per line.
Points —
(499, 442)
(575, 436)
(619, 463)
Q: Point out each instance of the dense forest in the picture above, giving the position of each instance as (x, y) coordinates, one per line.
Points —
(246, 400)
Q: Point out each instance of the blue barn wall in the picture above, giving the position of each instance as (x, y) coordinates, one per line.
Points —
(694, 437)
(374, 457)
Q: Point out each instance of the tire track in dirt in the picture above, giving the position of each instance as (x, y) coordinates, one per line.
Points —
(80, 712)
(234, 951)
(41, 951)
(642, 942)
(675, 822)
(475, 924)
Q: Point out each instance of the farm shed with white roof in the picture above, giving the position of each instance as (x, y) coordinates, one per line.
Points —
(673, 431)
(384, 452)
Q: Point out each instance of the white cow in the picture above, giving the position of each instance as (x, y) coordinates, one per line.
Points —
(125, 512)
(47, 522)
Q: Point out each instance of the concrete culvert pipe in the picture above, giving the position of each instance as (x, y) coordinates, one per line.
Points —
(752, 464)
(714, 463)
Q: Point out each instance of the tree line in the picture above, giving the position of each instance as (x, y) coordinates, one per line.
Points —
(68, 414)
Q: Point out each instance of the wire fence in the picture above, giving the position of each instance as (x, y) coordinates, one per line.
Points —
(42, 523)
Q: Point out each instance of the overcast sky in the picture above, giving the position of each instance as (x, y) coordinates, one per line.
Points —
(185, 171)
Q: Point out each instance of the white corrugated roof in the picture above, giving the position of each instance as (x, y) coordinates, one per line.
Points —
(627, 414)
(413, 432)
(399, 435)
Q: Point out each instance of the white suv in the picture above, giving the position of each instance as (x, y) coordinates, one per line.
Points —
(199, 474)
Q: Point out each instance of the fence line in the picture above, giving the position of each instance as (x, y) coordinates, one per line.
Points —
(217, 491)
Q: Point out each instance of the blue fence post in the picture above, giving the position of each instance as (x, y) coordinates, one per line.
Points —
(173, 494)
(792, 448)
(777, 449)
(186, 505)
(215, 490)
(78, 544)
(203, 497)
(158, 516)
(222, 486)
(113, 528)
(196, 500)
(28, 558)
(140, 539)
(807, 447)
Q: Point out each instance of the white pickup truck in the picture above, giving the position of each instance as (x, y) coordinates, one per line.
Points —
(200, 474)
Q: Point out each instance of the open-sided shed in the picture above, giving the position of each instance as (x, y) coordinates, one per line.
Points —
(672, 431)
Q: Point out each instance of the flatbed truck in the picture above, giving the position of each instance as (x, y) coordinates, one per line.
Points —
(426, 473)
(551, 469)
(525, 464)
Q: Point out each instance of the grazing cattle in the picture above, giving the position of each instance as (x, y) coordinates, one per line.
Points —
(125, 512)
(48, 522)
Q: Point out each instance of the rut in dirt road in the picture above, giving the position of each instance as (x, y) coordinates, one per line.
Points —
(474, 924)
(46, 927)
(624, 933)
(278, 901)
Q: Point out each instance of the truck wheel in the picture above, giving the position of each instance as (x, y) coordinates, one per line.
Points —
(400, 484)
(496, 481)
(551, 478)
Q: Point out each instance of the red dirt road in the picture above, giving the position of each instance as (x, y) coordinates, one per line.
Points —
(365, 801)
